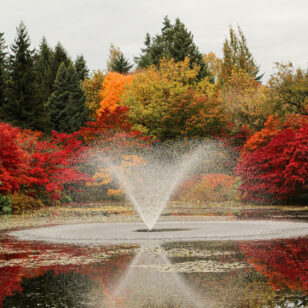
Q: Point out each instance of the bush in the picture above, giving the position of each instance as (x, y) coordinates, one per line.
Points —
(22, 203)
(275, 170)
(210, 187)
(5, 205)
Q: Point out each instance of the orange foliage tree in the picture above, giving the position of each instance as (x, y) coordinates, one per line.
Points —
(209, 187)
(113, 87)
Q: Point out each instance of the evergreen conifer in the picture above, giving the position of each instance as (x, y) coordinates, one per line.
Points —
(237, 54)
(59, 56)
(81, 68)
(23, 107)
(44, 71)
(3, 63)
(175, 42)
(67, 103)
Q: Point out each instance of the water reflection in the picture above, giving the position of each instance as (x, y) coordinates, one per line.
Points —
(200, 274)
(147, 284)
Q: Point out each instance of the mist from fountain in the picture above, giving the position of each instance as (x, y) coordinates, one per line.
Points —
(150, 185)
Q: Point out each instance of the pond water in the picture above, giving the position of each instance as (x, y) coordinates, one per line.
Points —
(268, 273)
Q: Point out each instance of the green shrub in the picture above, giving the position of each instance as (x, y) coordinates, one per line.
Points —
(5, 205)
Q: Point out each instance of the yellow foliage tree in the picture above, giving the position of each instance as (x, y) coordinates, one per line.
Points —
(129, 163)
(153, 95)
(214, 64)
(246, 100)
(92, 88)
(289, 90)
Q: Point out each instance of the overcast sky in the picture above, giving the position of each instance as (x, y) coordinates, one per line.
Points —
(276, 30)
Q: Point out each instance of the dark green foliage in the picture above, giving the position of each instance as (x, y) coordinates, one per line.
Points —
(44, 75)
(120, 64)
(59, 56)
(5, 204)
(81, 68)
(49, 290)
(3, 63)
(176, 42)
(23, 108)
(66, 105)
(237, 54)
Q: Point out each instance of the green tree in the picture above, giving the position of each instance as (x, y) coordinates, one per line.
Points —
(3, 63)
(23, 108)
(81, 68)
(174, 42)
(67, 108)
(59, 55)
(44, 71)
(117, 62)
(237, 55)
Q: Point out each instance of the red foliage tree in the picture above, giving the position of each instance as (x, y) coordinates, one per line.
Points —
(53, 163)
(13, 161)
(32, 164)
(276, 167)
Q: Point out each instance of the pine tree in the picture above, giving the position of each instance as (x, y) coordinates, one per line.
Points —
(67, 103)
(44, 72)
(117, 62)
(121, 65)
(59, 55)
(175, 42)
(22, 107)
(237, 54)
(81, 68)
(3, 63)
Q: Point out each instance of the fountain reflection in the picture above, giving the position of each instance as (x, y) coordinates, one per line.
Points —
(144, 285)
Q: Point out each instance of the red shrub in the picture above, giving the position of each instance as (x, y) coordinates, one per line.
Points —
(13, 160)
(32, 164)
(276, 169)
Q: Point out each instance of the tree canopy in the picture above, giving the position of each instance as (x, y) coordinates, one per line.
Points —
(174, 42)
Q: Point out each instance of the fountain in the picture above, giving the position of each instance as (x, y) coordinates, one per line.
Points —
(149, 184)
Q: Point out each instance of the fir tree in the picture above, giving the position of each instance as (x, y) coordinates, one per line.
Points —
(59, 56)
(81, 68)
(176, 42)
(22, 107)
(237, 54)
(117, 62)
(44, 71)
(67, 103)
(121, 65)
(3, 63)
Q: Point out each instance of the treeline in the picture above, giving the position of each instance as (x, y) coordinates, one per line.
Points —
(41, 89)
(46, 90)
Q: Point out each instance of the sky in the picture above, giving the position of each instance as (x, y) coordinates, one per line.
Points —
(276, 30)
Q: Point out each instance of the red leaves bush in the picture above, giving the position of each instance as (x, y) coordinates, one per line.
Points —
(276, 167)
(12, 159)
(34, 165)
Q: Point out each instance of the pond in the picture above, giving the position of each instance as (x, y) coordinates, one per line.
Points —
(267, 273)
